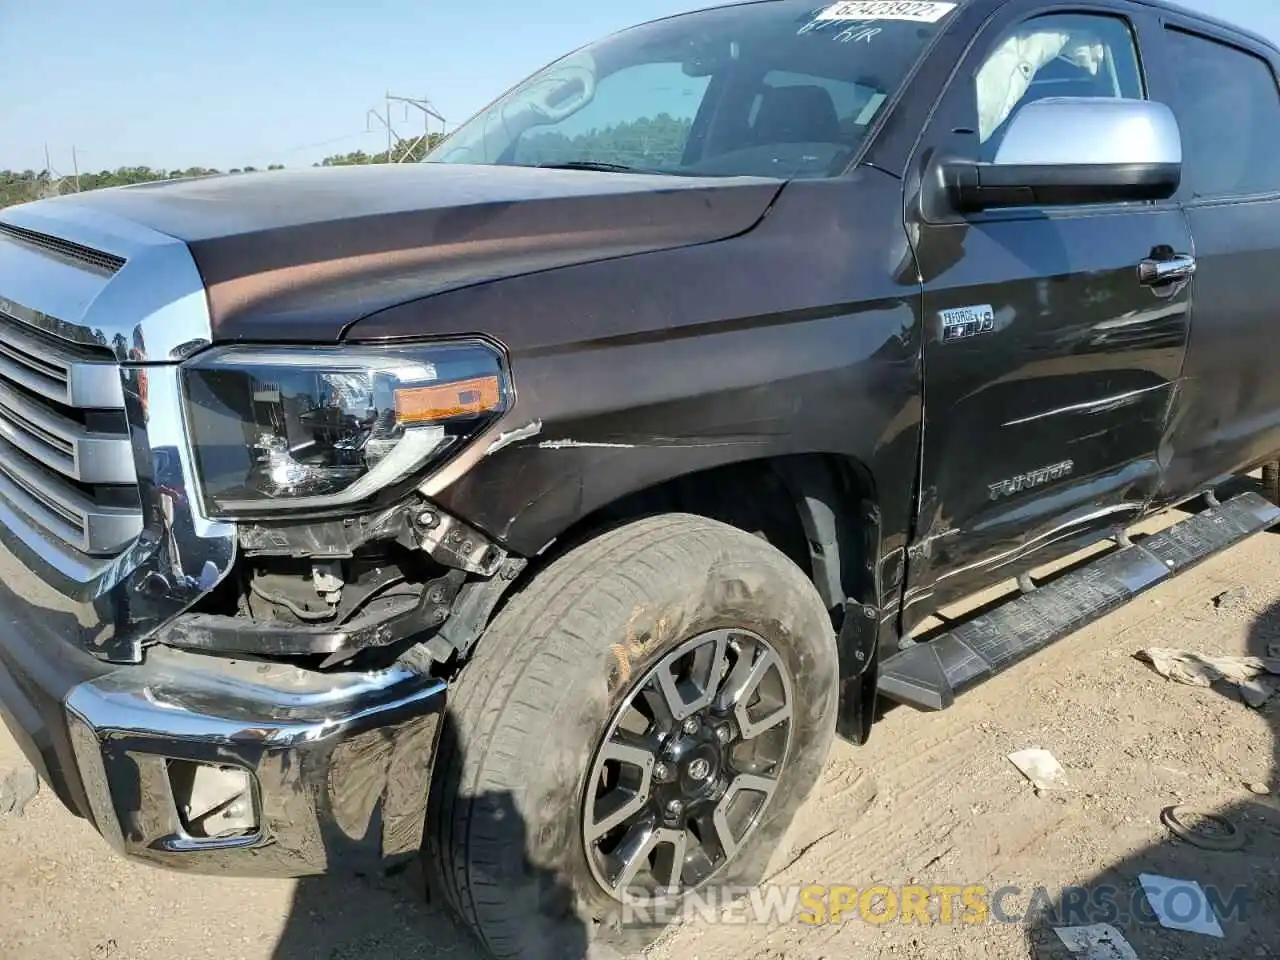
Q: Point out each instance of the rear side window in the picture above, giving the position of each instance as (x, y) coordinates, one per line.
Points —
(1228, 106)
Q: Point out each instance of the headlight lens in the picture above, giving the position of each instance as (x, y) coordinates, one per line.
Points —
(313, 428)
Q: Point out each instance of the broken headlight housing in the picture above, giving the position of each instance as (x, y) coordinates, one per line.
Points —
(317, 428)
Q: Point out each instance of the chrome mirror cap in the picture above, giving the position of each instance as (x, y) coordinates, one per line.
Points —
(1091, 131)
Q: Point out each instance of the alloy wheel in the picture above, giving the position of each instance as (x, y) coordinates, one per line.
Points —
(687, 766)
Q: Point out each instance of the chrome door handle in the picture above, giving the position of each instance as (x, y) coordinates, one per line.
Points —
(1157, 273)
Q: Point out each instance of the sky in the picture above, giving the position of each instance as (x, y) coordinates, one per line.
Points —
(233, 83)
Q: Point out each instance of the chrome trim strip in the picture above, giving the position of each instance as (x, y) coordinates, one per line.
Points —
(154, 310)
(63, 444)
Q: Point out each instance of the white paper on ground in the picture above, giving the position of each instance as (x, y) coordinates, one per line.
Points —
(1180, 905)
(917, 11)
(1099, 941)
(1040, 767)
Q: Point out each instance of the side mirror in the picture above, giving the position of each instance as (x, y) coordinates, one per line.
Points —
(1070, 150)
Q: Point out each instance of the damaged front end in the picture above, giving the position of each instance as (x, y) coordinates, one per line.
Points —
(227, 612)
(408, 583)
(315, 454)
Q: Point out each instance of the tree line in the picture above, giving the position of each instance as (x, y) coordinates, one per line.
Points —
(21, 186)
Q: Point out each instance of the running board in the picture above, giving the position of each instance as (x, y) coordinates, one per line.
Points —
(928, 675)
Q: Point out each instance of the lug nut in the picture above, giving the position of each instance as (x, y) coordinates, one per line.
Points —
(691, 725)
(724, 734)
(661, 771)
(675, 808)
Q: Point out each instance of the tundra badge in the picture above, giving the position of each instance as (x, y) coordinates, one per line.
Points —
(1031, 479)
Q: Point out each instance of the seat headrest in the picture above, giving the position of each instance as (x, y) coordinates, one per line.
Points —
(799, 114)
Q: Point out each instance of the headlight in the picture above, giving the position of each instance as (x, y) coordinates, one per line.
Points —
(305, 428)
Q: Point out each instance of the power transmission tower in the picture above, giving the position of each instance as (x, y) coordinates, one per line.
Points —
(429, 112)
(398, 149)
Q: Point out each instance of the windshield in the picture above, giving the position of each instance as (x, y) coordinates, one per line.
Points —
(779, 88)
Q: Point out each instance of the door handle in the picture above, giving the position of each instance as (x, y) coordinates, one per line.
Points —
(1174, 269)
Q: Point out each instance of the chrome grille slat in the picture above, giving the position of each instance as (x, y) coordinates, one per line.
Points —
(63, 510)
(62, 443)
(53, 370)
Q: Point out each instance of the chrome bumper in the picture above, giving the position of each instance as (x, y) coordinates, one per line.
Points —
(338, 769)
(338, 764)
(338, 773)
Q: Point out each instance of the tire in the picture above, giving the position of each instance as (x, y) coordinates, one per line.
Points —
(504, 842)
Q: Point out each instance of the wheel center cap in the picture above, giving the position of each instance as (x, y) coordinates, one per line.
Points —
(699, 769)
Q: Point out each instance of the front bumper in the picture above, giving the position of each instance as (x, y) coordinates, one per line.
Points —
(338, 764)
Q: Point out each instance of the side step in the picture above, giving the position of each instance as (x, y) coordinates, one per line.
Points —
(928, 675)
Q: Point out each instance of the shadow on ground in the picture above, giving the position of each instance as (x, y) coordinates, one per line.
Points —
(387, 916)
(1242, 885)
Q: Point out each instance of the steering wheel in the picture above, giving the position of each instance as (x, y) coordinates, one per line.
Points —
(541, 97)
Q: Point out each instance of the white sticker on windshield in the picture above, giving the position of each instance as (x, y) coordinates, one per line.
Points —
(917, 11)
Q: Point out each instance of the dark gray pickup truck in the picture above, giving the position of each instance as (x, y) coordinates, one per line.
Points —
(546, 508)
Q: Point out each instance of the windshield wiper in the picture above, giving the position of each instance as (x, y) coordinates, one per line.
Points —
(592, 165)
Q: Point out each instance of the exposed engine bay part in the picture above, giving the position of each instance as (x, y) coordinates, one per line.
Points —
(326, 575)
(336, 642)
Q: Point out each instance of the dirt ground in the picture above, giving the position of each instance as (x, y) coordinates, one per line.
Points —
(931, 800)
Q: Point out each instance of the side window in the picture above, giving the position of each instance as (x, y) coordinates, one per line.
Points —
(1228, 106)
(1059, 55)
(663, 101)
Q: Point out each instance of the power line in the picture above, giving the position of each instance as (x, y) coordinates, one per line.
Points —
(277, 155)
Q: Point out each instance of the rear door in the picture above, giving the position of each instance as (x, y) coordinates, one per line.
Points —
(1224, 92)
(1049, 365)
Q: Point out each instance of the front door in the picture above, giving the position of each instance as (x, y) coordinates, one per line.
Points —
(1049, 363)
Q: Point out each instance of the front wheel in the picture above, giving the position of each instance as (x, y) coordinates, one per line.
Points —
(640, 723)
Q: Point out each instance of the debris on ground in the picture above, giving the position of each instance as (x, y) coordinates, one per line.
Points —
(1258, 788)
(1233, 598)
(18, 788)
(1040, 767)
(1257, 678)
(1099, 941)
(1180, 905)
(1208, 831)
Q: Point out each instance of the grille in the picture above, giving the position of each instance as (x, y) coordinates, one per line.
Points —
(99, 260)
(66, 462)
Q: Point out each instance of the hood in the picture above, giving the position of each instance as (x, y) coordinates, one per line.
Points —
(300, 255)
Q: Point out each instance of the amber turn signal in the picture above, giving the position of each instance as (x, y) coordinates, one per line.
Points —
(443, 401)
